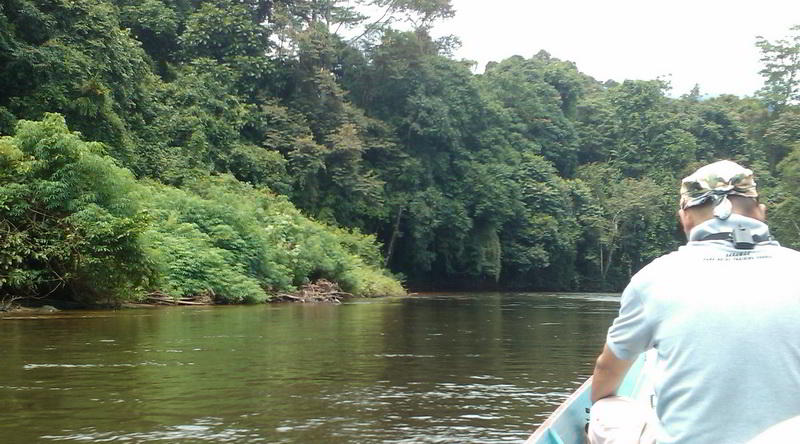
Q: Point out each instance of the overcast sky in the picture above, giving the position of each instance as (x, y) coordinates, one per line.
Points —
(709, 42)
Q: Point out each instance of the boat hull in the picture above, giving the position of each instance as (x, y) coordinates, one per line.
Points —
(567, 425)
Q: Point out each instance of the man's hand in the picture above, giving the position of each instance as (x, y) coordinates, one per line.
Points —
(608, 374)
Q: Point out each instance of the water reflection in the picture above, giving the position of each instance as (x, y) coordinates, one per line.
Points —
(430, 368)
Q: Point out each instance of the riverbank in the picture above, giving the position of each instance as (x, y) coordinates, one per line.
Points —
(321, 291)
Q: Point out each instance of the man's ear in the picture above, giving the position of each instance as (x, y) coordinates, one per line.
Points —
(763, 210)
(687, 221)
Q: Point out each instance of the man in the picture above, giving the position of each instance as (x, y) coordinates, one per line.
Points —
(723, 313)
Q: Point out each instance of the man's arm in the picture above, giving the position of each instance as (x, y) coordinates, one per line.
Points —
(608, 374)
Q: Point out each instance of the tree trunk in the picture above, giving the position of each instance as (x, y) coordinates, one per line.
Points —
(612, 240)
(395, 231)
(600, 247)
(608, 262)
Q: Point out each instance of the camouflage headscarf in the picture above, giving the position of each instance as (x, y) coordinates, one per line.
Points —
(715, 182)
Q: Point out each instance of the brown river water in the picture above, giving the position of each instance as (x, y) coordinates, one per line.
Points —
(433, 368)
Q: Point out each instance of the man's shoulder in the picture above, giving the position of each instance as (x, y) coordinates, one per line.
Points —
(789, 253)
(784, 258)
(658, 265)
(676, 263)
(688, 257)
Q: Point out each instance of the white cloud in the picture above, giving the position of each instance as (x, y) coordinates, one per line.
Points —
(709, 42)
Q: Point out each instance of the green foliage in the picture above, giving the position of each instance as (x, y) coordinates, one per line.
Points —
(237, 243)
(540, 246)
(74, 221)
(782, 133)
(156, 26)
(781, 61)
(68, 216)
(266, 136)
(624, 216)
(649, 134)
(538, 97)
(223, 32)
(371, 17)
(785, 216)
(7, 121)
(75, 59)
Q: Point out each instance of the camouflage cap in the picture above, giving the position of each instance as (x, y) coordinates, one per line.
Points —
(716, 181)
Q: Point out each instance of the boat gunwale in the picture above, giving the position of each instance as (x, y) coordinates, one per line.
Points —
(547, 425)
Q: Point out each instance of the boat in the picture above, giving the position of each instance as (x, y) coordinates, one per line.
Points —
(567, 425)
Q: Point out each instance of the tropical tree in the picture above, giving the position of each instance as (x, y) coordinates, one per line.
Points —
(781, 70)
(623, 216)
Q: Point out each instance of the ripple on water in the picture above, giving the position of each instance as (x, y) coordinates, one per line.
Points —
(117, 365)
(203, 429)
(471, 368)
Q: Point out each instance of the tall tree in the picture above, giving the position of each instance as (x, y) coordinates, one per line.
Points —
(781, 70)
(625, 214)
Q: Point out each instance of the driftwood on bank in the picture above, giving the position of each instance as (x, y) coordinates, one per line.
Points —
(319, 291)
(163, 299)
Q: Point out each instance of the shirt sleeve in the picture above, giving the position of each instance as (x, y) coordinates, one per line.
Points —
(632, 330)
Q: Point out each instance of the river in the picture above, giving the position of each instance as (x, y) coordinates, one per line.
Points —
(434, 368)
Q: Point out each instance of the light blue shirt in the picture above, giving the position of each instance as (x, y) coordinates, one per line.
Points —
(726, 326)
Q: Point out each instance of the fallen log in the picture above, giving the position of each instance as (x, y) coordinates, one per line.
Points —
(319, 291)
(160, 299)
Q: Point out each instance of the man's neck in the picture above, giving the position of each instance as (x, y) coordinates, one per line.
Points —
(716, 225)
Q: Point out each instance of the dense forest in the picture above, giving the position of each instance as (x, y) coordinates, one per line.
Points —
(240, 148)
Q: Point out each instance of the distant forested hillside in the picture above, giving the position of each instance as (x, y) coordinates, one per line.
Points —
(243, 147)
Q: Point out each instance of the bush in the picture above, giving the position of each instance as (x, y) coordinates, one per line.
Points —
(73, 221)
(68, 220)
(261, 236)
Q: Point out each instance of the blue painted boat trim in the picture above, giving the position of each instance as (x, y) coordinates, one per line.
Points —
(554, 436)
(566, 424)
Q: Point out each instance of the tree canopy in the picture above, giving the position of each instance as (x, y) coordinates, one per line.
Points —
(243, 147)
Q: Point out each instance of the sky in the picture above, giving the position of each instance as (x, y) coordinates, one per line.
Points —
(705, 42)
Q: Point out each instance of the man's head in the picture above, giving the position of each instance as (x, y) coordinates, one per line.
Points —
(717, 190)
